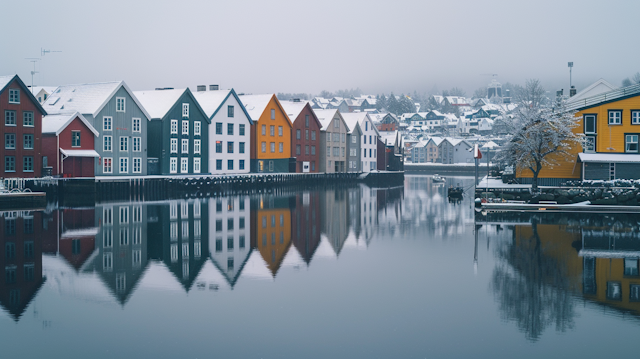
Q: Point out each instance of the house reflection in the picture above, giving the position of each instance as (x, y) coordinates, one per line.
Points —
(272, 227)
(335, 218)
(306, 224)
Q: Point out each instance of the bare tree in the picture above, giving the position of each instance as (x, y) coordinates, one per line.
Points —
(480, 92)
(531, 95)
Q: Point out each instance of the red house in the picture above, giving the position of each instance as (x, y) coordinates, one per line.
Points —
(68, 145)
(305, 138)
(21, 127)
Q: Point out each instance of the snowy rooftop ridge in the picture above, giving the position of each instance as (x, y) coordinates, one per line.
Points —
(57, 123)
(4, 81)
(159, 102)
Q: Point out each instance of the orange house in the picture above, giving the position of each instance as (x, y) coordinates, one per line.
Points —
(272, 230)
(270, 135)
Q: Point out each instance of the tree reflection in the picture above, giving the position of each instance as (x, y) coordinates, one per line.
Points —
(532, 287)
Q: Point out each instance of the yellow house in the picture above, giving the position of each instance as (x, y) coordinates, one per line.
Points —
(611, 123)
(270, 134)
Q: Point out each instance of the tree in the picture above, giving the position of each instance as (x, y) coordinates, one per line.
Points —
(532, 94)
(456, 91)
(634, 80)
(540, 136)
(480, 92)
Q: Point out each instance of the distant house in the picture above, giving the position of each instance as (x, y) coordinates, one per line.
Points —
(354, 143)
(179, 128)
(270, 134)
(432, 147)
(370, 137)
(394, 158)
(41, 93)
(229, 131)
(419, 153)
(333, 135)
(120, 119)
(306, 146)
(68, 144)
(21, 128)
(388, 122)
(454, 150)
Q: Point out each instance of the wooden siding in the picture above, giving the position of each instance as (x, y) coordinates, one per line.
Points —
(299, 124)
(281, 119)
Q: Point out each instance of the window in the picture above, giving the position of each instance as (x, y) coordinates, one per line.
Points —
(14, 96)
(196, 146)
(631, 143)
(27, 142)
(196, 165)
(297, 134)
(230, 147)
(174, 145)
(313, 150)
(272, 130)
(263, 146)
(313, 135)
(185, 127)
(635, 117)
(306, 135)
(173, 165)
(280, 131)
(218, 165)
(273, 114)
(589, 124)
(280, 147)
(353, 139)
(313, 166)
(631, 267)
(124, 143)
(306, 149)
(328, 151)
(615, 117)
(10, 141)
(27, 163)
(137, 165)
(272, 146)
(241, 130)
(230, 164)
(352, 152)
(124, 214)
(240, 147)
(197, 128)
(336, 123)
(297, 149)
(174, 127)
(9, 163)
(218, 128)
(343, 137)
(336, 137)
(124, 165)
(27, 118)
(185, 110)
(306, 120)
(336, 151)
(614, 290)
(10, 118)
(342, 151)
(185, 146)
(137, 147)
(264, 130)
(184, 165)
(120, 102)
(241, 164)
(366, 126)
(135, 125)
(230, 111)
(106, 167)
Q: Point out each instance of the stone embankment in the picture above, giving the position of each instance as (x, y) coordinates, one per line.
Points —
(629, 196)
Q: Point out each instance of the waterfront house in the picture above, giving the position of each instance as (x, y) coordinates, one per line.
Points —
(333, 136)
(68, 145)
(306, 223)
(229, 132)
(454, 150)
(120, 119)
(431, 148)
(369, 143)
(419, 152)
(21, 128)
(393, 150)
(270, 134)
(306, 146)
(355, 141)
(179, 128)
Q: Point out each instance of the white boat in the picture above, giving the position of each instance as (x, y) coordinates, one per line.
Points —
(438, 179)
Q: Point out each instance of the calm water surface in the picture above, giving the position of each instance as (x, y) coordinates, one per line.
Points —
(340, 273)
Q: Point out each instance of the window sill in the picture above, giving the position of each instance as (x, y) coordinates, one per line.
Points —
(10, 125)
(29, 171)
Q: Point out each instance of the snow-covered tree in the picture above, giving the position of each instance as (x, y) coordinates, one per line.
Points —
(540, 136)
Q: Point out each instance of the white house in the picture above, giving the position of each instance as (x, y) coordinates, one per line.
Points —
(369, 143)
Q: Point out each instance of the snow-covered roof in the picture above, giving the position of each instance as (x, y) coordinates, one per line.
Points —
(159, 102)
(490, 144)
(36, 89)
(325, 117)
(57, 123)
(86, 98)
(4, 81)
(211, 101)
(79, 153)
(608, 157)
(352, 120)
(293, 109)
(388, 137)
(256, 104)
(596, 88)
(436, 140)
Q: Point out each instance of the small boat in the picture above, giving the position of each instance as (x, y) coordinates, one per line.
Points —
(438, 179)
(456, 191)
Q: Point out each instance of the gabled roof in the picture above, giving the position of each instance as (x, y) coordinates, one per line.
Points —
(257, 104)
(325, 117)
(86, 98)
(57, 123)
(436, 140)
(36, 89)
(212, 101)
(6, 80)
(293, 109)
(352, 120)
(159, 102)
(605, 97)
(596, 88)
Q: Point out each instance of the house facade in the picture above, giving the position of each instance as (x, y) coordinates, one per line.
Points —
(356, 142)
(306, 146)
(68, 145)
(369, 143)
(179, 128)
(229, 131)
(454, 150)
(117, 115)
(21, 128)
(333, 136)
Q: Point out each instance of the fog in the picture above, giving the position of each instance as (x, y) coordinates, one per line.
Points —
(309, 46)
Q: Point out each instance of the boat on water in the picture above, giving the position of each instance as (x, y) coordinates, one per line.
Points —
(438, 179)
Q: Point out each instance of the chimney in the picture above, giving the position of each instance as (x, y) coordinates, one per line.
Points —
(572, 91)
(560, 92)
(201, 88)
(213, 88)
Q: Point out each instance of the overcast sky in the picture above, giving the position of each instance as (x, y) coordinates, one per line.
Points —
(308, 46)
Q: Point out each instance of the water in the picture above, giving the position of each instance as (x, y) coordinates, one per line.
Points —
(341, 273)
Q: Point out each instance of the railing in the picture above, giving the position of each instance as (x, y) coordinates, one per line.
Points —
(607, 96)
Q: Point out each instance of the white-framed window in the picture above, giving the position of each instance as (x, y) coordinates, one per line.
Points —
(196, 165)
(615, 117)
(135, 125)
(107, 165)
(590, 124)
(124, 165)
(185, 127)
(136, 258)
(120, 104)
(107, 261)
(197, 209)
(124, 143)
(174, 127)
(137, 147)
(263, 146)
(107, 238)
(106, 143)
(631, 143)
(107, 216)
(197, 128)
(196, 146)
(184, 165)
(184, 212)
(173, 165)
(174, 145)
(185, 145)
(137, 214)
(137, 165)
(107, 123)
(635, 117)
(14, 96)
(123, 214)
(173, 213)
(124, 236)
(354, 139)
(590, 144)
(185, 110)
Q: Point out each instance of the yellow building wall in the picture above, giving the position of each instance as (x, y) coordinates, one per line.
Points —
(273, 237)
(612, 270)
(281, 119)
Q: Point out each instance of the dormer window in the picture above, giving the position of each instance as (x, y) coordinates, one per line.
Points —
(120, 104)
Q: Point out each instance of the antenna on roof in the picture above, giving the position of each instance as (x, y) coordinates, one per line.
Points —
(44, 52)
(33, 72)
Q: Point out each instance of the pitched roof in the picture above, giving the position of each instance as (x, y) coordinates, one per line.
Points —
(436, 140)
(212, 101)
(256, 104)
(325, 117)
(86, 98)
(293, 109)
(352, 120)
(57, 123)
(159, 102)
(36, 89)
(6, 80)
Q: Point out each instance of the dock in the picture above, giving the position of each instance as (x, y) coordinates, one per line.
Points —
(23, 200)
(548, 207)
